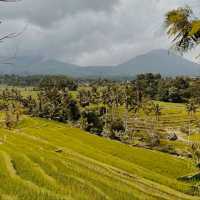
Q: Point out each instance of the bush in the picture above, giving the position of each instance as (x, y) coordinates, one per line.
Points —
(116, 129)
(153, 140)
(74, 112)
(92, 122)
(117, 125)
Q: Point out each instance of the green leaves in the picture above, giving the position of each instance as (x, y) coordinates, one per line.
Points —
(184, 30)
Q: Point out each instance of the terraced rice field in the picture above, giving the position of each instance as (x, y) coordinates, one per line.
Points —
(44, 160)
(173, 118)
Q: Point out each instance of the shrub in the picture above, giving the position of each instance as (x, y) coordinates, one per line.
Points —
(117, 125)
(116, 129)
(92, 122)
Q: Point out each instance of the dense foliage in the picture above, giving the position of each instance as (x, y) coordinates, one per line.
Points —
(176, 90)
(37, 81)
(97, 106)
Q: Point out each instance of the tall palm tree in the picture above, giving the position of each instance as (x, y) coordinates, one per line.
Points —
(191, 109)
(18, 111)
(127, 100)
(157, 111)
(107, 100)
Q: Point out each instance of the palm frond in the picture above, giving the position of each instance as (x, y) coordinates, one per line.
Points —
(180, 27)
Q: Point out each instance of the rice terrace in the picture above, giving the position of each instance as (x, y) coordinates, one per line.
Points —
(96, 106)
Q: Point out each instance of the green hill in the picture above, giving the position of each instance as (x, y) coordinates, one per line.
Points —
(44, 160)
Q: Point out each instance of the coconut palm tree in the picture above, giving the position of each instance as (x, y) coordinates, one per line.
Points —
(191, 109)
(9, 119)
(18, 111)
(128, 100)
(157, 111)
(184, 28)
(152, 108)
(107, 100)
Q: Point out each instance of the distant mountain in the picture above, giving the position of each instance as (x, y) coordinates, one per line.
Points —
(160, 61)
(157, 61)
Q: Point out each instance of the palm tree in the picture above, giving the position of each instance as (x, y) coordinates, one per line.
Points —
(157, 111)
(9, 119)
(107, 101)
(127, 100)
(184, 28)
(149, 108)
(18, 111)
(117, 96)
(191, 109)
(85, 97)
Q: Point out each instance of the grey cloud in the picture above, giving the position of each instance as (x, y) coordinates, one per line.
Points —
(87, 32)
(47, 12)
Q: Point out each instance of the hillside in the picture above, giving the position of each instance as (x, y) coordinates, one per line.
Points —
(157, 61)
(48, 160)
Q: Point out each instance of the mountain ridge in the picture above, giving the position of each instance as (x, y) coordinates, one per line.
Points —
(156, 61)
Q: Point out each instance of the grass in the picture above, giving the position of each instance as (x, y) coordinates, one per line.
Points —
(173, 115)
(173, 119)
(46, 160)
(195, 138)
(49, 160)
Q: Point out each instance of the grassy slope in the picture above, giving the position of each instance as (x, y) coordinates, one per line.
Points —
(173, 115)
(88, 167)
(173, 118)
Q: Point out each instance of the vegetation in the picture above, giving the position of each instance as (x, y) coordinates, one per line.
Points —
(50, 160)
(149, 144)
(36, 81)
(106, 107)
(123, 111)
(184, 28)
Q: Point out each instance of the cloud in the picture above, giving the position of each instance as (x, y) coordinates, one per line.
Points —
(87, 32)
(47, 12)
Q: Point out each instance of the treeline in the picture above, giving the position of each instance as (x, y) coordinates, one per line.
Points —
(176, 90)
(154, 86)
(102, 106)
(36, 80)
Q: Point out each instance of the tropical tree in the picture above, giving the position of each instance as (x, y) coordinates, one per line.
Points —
(191, 109)
(17, 111)
(117, 97)
(157, 111)
(131, 102)
(96, 95)
(117, 129)
(184, 28)
(91, 121)
(84, 96)
(126, 103)
(10, 120)
(151, 108)
(108, 100)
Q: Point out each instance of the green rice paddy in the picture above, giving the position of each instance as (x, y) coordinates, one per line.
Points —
(45, 160)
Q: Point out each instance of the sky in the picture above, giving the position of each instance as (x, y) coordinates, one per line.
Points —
(86, 32)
